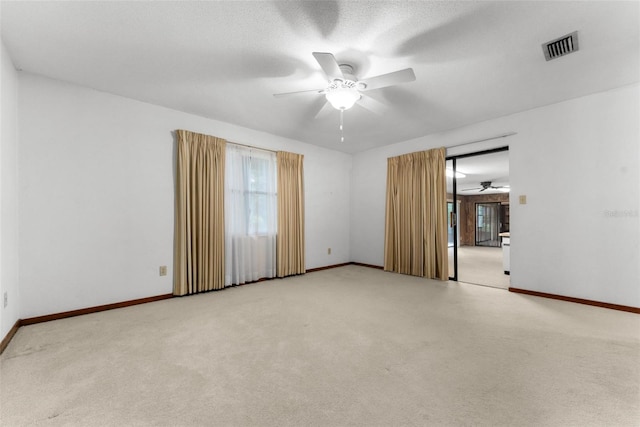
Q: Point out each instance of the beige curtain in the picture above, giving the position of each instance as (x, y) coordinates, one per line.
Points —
(199, 216)
(416, 215)
(290, 242)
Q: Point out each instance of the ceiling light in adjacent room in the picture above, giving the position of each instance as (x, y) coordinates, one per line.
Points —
(458, 174)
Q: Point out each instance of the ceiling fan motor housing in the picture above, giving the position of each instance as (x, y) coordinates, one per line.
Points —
(348, 72)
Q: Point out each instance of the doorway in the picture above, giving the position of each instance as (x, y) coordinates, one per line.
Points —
(479, 217)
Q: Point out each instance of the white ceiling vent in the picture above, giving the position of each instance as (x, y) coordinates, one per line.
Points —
(560, 46)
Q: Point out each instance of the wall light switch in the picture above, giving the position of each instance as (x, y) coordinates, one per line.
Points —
(6, 300)
(163, 270)
(523, 199)
(329, 251)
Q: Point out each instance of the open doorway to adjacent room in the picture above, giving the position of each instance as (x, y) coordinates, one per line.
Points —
(479, 226)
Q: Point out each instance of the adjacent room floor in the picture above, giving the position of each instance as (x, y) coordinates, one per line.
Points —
(339, 347)
(481, 266)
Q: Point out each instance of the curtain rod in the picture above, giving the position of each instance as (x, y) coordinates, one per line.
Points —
(485, 139)
(251, 147)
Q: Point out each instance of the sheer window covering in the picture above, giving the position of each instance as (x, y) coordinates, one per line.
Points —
(250, 214)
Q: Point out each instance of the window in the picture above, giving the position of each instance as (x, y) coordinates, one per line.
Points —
(260, 194)
(250, 196)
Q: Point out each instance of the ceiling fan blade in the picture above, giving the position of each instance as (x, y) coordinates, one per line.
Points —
(372, 104)
(472, 189)
(329, 65)
(325, 110)
(389, 79)
(280, 95)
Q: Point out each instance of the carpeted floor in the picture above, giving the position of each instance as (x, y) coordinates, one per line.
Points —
(339, 347)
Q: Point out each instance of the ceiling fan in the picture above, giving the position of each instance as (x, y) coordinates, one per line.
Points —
(486, 185)
(344, 89)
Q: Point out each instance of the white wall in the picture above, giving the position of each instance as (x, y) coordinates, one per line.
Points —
(577, 162)
(97, 196)
(8, 193)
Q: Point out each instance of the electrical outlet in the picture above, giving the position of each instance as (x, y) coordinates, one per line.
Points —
(5, 300)
(329, 251)
(163, 270)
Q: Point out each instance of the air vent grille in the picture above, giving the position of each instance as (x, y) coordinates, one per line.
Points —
(560, 46)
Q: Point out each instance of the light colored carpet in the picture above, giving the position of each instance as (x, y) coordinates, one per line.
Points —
(347, 346)
(481, 266)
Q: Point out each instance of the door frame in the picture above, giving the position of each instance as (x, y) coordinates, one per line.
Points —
(455, 199)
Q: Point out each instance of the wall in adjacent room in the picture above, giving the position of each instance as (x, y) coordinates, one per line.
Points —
(97, 195)
(8, 193)
(467, 214)
(577, 162)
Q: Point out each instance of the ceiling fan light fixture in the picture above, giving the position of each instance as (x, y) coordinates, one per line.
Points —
(342, 94)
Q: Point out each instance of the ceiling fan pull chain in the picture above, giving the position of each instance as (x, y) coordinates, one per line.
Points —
(341, 125)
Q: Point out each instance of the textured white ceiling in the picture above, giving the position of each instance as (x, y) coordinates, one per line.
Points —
(224, 59)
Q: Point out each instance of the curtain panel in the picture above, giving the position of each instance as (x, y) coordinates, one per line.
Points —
(416, 215)
(199, 256)
(290, 247)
